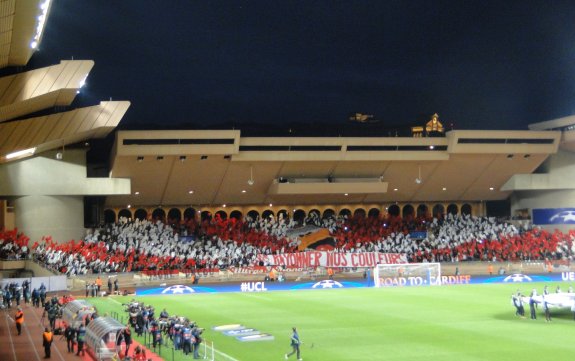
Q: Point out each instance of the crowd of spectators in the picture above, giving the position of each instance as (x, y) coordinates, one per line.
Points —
(13, 245)
(136, 245)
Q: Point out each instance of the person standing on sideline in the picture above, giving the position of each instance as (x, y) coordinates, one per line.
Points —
(515, 302)
(294, 344)
(70, 335)
(109, 285)
(35, 298)
(19, 318)
(119, 339)
(47, 341)
(187, 340)
(521, 306)
(127, 338)
(533, 304)
(80, 336)
(98, 285)
(546, 309)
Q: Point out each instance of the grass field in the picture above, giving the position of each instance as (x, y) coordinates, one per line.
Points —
(447, 323)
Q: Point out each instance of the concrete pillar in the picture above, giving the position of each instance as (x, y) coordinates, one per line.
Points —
(61, 217)
(49, 191)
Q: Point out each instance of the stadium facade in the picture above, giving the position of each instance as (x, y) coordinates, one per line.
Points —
(45, 190)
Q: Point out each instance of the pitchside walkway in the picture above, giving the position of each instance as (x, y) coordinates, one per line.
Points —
(28, 346)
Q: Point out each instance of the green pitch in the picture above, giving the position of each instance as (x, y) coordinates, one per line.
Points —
(447, 323)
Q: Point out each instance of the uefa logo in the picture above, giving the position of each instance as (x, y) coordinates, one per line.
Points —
(178, 290)
(517, 277)
(564, 217)
(327, 284)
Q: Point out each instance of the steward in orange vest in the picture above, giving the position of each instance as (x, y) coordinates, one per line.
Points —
(98, 284)
(47, 342)
(19, 318)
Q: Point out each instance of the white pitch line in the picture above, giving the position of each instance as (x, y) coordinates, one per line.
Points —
(113, 300)
(57, 350)
(216, 351)
(224, 354)
(11, 341)
(52, 348)
(30, 337)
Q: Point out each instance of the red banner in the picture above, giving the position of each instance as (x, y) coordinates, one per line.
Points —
(332, 259)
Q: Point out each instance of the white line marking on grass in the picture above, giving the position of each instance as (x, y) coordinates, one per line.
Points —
(215, 350)
(225, 355)
(113, 300)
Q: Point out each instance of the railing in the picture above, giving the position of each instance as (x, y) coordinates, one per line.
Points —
(167, 350)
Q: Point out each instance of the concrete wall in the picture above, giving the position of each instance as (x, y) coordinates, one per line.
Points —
(38, 270)
(46, 175)
(555, 188)
(49, 193)
(561, 164)
(10, 269)
(61, 217)
(543, 199)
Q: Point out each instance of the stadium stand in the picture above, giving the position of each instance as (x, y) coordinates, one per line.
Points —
(218, 244)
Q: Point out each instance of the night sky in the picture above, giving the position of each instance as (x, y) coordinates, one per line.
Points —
(479, 64)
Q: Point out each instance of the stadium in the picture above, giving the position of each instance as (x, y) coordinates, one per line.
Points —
(214, 243)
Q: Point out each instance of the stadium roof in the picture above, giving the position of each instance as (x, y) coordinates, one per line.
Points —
(21, 28)
(566, 125)
(212, 168)
(34, 105)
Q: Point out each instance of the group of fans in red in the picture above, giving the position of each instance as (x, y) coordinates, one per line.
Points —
(137, 245)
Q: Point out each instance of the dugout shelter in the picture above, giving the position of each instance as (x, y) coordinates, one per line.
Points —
(101, 336)
(75, 312)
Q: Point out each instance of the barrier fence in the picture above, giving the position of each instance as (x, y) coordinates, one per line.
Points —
(167, 350)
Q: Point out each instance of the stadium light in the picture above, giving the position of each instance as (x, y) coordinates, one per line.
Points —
(418, 180)
(251, 180)
(44, 8)
(21, 153)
